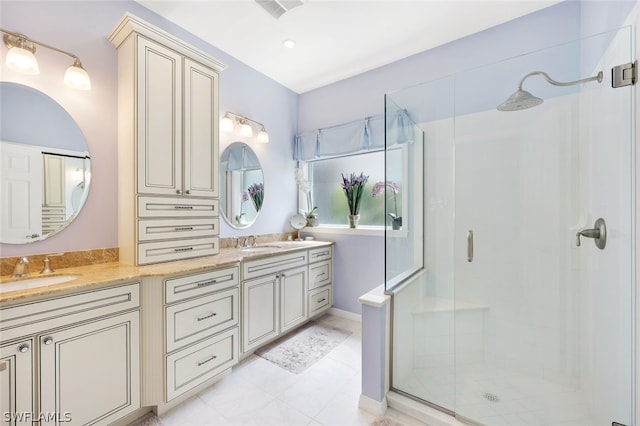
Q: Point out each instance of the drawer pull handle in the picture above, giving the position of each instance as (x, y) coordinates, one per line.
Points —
(206, 283)
(184, 228)
(322, 300)
(211, 358)
(183, 249)
(183, 207)
(207, 316)
(321, 274)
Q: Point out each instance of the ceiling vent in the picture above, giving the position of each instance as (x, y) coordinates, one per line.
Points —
(277, 8)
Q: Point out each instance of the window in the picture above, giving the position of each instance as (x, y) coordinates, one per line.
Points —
(325, 176)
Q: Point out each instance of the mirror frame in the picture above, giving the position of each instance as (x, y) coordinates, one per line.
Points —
(34, 119)
(234, 178)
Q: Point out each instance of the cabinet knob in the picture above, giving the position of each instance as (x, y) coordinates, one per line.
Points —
(23, 348)
(178, 191)
(47, 340)
(187, 192)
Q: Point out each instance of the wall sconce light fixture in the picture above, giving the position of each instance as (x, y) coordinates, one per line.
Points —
(227, 126)
(21, 58)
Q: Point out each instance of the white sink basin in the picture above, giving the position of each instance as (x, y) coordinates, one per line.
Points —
(257, 249)
(35, 282)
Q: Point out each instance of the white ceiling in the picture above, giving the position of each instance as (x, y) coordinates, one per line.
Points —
(335, 39)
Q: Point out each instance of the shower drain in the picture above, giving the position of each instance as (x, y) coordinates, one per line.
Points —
(491, 397)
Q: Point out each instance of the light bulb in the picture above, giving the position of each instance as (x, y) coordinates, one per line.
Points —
(77, 77)
(226, 124)
(246, 130)
(263, 136)
(22, 60)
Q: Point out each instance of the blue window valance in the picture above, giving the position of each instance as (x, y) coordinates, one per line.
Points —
(363, 135)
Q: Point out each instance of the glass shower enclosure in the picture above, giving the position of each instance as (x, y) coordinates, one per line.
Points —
(515, 303)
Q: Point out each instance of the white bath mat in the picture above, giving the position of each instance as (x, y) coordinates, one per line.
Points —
(299, 350)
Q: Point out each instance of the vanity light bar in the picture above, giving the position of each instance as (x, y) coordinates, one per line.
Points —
(21, 58)
(227, 126)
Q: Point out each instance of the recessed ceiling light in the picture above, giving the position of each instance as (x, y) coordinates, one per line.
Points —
(289, 44)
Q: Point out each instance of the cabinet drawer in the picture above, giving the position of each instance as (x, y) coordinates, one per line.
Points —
(273, 264)
(319, 300)
(35, 317)
(176, 207)
(188, 322)
(198, 363)
(165, 251)
(186, 286)
(319, 274)
(164, 229)
(318, 254)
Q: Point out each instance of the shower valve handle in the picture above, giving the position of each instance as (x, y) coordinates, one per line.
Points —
(598, 233)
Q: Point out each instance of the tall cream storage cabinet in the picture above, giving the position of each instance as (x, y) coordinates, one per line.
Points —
(167, 146)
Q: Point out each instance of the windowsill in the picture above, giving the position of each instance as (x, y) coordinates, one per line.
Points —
(369, 231)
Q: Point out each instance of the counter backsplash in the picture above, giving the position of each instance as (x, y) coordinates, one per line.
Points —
(106, 255)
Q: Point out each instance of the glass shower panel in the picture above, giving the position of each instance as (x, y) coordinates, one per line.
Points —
(543, 328)
(423, 351)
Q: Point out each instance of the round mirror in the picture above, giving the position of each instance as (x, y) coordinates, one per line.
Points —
(241, 185)
(45, 166)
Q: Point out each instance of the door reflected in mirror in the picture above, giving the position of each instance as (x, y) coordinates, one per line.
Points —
(45, 167)
(241, 185)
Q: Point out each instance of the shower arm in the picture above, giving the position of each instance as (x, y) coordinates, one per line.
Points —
(544, 75)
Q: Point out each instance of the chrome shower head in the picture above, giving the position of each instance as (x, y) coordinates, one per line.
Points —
(520, 100)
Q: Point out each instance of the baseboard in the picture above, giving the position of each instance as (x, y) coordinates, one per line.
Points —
(345, 314)
(372, 406)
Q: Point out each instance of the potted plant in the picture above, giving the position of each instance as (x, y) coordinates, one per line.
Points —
(353, 187)
(378, 188)
(312, 217)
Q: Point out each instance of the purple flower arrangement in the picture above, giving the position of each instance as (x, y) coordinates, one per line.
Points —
(353, 187)
(256, 191)
(380, 187)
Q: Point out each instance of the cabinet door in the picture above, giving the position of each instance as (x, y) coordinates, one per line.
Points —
(90, 374)
(159, 121)
(260, 308)
(16, 383)
(53, 180)
(293, 297)
(200, 130)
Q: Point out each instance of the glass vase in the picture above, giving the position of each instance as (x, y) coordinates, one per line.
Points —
(353, 220)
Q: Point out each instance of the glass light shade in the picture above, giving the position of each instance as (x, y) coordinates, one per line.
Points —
(226, 124)
(22, 60)
(246, 130)
(263, 136)
(77, 77)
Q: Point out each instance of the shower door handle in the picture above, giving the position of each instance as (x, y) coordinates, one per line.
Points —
(598, 233)
(470, 246)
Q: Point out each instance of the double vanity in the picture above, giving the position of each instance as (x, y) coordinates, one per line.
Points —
(115, 341)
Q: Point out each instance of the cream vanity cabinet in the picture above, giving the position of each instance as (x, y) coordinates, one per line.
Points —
(320, 280)
(274, 297)
(167, 146)
(74, 347)
(190, 332)
(201, 323)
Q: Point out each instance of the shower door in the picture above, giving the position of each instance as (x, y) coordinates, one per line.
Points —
(549, 337)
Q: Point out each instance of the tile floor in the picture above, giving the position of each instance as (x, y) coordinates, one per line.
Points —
(258, 392)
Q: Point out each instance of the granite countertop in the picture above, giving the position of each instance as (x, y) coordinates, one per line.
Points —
(91, 275)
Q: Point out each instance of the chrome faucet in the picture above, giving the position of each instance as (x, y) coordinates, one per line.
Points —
(238, 245)
(246, 242)
(22, 268)
(46, 268)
